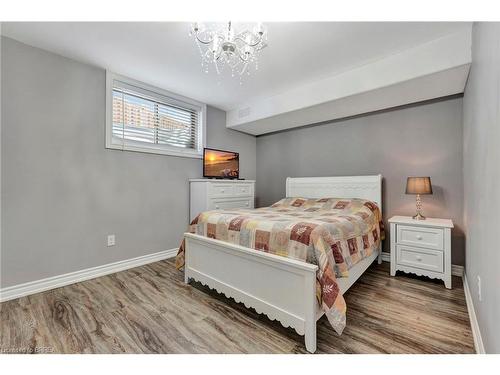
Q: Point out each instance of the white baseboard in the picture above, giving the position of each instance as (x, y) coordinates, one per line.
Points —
(476, 333)
(38, 286)
(456, 270)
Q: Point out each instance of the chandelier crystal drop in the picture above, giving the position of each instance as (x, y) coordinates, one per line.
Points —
(225, 49)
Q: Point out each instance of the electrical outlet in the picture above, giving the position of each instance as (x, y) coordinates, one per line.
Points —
(111, 240)
(479, 295)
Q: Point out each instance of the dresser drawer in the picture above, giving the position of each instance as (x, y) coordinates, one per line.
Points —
(430, 238)
(425, 259)
(229, 204)
(243, 189)
(221, 189)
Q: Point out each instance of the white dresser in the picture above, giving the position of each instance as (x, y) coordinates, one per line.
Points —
(422, 247)
(213, 194)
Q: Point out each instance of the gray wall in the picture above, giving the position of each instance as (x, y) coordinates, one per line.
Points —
(218, 136)
(422, 140)
(63, 192)
(482, 179)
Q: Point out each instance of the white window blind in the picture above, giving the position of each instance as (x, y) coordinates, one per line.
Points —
(145, 120)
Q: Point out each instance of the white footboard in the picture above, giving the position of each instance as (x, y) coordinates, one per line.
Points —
(284, 289)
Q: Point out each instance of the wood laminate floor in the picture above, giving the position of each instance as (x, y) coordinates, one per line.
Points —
(150, 310)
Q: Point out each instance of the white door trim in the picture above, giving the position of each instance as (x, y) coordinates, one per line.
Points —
(53, 282)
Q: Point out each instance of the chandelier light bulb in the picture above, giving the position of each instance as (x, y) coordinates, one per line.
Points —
(259, 29)
(215, 46)
(230, 32)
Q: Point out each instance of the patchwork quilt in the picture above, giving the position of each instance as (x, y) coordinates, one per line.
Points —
(332, 233)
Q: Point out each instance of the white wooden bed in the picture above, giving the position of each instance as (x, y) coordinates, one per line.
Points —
(284, 289)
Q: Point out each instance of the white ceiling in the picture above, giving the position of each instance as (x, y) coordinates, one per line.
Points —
(163, 54)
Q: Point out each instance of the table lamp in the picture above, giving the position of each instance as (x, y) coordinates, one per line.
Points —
(418, 186)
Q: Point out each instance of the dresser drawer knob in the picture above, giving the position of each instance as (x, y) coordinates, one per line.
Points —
(246, 204)
(216, 207)
(419, 237)
(419, 258)
(222, 191)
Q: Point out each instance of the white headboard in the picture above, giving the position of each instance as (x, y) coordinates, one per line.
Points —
(364, 187)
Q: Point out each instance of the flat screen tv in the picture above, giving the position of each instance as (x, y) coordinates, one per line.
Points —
(220, 163)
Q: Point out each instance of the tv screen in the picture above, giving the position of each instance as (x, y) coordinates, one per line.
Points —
(220, 164)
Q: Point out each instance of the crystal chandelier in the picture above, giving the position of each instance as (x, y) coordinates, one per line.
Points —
(222, 47)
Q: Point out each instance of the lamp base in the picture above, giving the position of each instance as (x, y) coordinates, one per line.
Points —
(418, 216)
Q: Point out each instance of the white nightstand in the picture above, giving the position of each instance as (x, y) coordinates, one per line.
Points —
(422, 247)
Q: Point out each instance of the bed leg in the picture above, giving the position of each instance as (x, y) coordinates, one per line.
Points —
(310, 312)
(379, 259)
(310, 336)
(186, 260)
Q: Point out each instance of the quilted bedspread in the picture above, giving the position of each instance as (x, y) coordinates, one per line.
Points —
(332, 233)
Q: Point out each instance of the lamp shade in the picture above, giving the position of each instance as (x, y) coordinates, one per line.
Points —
(418, 185)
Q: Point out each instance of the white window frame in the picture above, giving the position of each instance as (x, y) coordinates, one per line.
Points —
(167, 97)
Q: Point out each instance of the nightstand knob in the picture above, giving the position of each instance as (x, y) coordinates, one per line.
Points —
(419, 258)
(246, 204)
(216, 207)
(419, 237)
(222, 191)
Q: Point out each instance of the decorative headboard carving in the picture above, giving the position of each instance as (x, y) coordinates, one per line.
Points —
(364, 187)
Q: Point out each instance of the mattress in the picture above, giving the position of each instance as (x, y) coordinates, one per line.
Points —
(334, 234)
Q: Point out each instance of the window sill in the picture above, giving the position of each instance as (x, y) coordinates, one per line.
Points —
(184, 154)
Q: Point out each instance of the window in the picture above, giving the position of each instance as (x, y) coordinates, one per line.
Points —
(147, 119)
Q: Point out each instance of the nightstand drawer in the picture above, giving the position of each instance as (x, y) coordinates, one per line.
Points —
(430, 238)
(426, 259)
